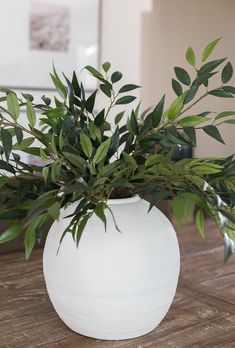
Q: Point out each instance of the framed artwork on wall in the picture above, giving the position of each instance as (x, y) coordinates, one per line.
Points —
(36, 33)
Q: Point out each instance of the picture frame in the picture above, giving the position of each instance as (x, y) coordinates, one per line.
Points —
(40, 33)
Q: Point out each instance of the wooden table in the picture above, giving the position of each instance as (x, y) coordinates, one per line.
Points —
(202, 314)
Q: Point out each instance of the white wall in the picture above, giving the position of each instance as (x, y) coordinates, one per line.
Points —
(168, 30)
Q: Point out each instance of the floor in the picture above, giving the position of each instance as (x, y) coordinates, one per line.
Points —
(202, 314)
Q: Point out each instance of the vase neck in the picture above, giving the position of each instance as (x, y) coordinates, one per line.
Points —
(128, 200)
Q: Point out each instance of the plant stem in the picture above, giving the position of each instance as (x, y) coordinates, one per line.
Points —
(111, 105)
(193, 104)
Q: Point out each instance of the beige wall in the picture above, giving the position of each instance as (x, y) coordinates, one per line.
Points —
(168, 30)
(121, 39)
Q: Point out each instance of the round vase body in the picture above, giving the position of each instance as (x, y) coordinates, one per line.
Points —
(114, 285)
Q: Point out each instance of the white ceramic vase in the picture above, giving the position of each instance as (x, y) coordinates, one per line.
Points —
(114, 285)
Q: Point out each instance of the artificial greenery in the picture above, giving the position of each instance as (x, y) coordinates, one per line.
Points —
(91, 157)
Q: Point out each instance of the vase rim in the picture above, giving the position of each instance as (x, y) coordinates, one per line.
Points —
(128, 200)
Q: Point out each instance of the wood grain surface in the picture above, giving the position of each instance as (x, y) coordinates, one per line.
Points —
(202, 314)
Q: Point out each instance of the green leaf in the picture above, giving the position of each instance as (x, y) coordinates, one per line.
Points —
(13, 214)
(228, 247)
(29, 241)
(60, 87)
(80, 228)
(94, 72)
(134, 127)
(70, 91)
(109, 169)
(128, 88)
(19, 134)
(25, 143)
(224, 114)
(53, 143)
(56, 112)
(28, 96)
(43, 155)
(200, 223)
(230, 121)
(90, 102)
(209, 49)
(210, 66)
(31, 115)
(119, 117)
(86, 144)
(55, 171)
(206, 169)
(6, 142)
(80, 188)
(157, 112)
(191, 134)
(76, 87)
(182, 208)
(58, 103)
(106, 89)
(190, 94)
(61, 139)
(220, 93)
(190, 56)
(99, 211)
(46, 100)
(147, 125)
(54, 211)
(191, 121)
(75, 159)
(125, 100)
(229, 89)
(177, 88)
(202, 79)
(102, 151)
(6, 90)
(116, 76)
(129, 159)
(13, 105)
(94, 131)
(152, 160)
(11, 233)
(45, 173)
(7, 166)
(99, 119)
(214, 133)
(114, 142)
(182, 75)
(175, 107)
(106, 66)
(227, 73)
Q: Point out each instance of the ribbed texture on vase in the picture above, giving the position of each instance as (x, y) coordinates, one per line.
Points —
(114, 285)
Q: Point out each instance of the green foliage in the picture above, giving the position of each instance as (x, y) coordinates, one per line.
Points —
(209, 49)
(182, 76)
(31, 115)
(200, 222)
(190, 56)
(88, 157)
(13, 105)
